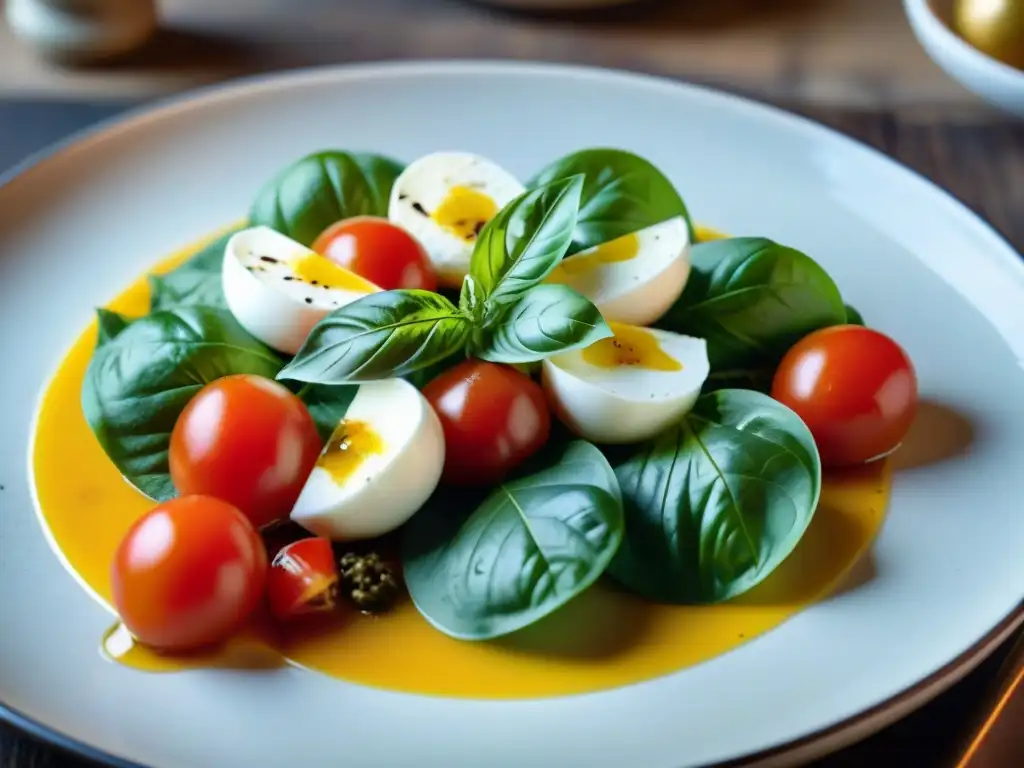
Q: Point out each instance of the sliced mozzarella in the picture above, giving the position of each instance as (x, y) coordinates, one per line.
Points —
(633, 279)
(444, 199)
(278, 289)
(629, 387)
(380, 466)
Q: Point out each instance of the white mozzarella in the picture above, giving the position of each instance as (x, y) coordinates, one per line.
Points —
(444, 199)
(380, 466)
(278, 289)
(626, 393)
(636, 278)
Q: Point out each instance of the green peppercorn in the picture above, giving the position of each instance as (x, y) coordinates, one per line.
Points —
(368, 581)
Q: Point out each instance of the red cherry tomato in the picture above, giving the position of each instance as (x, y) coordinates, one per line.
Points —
(382, 252)
(188, 573)
(247, 440)
(854, 387)
(303, 579)
(493, 417)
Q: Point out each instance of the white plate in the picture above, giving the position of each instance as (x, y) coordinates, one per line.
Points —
(949, 566)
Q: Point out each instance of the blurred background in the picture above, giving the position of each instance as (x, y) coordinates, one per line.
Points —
(855, 53)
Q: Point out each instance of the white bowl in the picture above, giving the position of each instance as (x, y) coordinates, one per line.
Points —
(999, 84)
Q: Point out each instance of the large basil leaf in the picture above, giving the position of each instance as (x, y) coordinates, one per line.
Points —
(197, 282)
(138, 383)
(520, 246)
(623, 193)
(320, 189)
(714, 505)
(385, 334)
(752, 299)
(530, 547)
(546, 320)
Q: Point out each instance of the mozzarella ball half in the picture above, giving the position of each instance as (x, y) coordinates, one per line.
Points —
(278, 289)
(380, 466)
(628, 387)
(633, 279)
(444, 199)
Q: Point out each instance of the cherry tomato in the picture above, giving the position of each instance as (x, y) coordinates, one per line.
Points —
(303, 579)
(854, 387)
(382, 252)
(188, 573)
(247, 440)
(493, 416)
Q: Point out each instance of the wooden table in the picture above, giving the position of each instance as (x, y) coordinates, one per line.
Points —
(852, 64)
(849, 53)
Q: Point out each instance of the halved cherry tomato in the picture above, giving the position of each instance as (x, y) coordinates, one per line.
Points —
(494, 418)
(247, 440)
(854, 387)
(382, 252)
(303, 579)
(188, 573)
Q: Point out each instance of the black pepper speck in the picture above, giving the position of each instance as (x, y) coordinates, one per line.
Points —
(309, 300)
(420, 209)
(289, 278)
(269, 259)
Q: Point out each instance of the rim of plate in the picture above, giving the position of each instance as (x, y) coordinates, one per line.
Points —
(808, 746)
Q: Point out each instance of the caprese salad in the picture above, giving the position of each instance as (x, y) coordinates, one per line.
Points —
(529, 385)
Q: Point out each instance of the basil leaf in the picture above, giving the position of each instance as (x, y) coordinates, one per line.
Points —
(320, 189)
(529, 548)
(547, 319)
(623, 193)
(752, 299)
(108, 325)
(327, 405)
(197, 282)
(521, 246)
(853, 317)
(385, 334)
(138, 383)
(714, 505)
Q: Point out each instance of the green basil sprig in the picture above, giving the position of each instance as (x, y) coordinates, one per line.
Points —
(529, 548)
(320, 189)
(546, 320)
(524, 242)
(623, 193)
(504, 314)
(142, 376)
(714, 505)
(391, 333)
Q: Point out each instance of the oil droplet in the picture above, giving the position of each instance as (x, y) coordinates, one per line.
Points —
(319, 270)
(618, 250)
(350, 445)
(702, 234)
(631, 345)
(464, 212)
(246, 650)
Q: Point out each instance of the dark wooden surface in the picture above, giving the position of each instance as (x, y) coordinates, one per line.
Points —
(980, 160)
